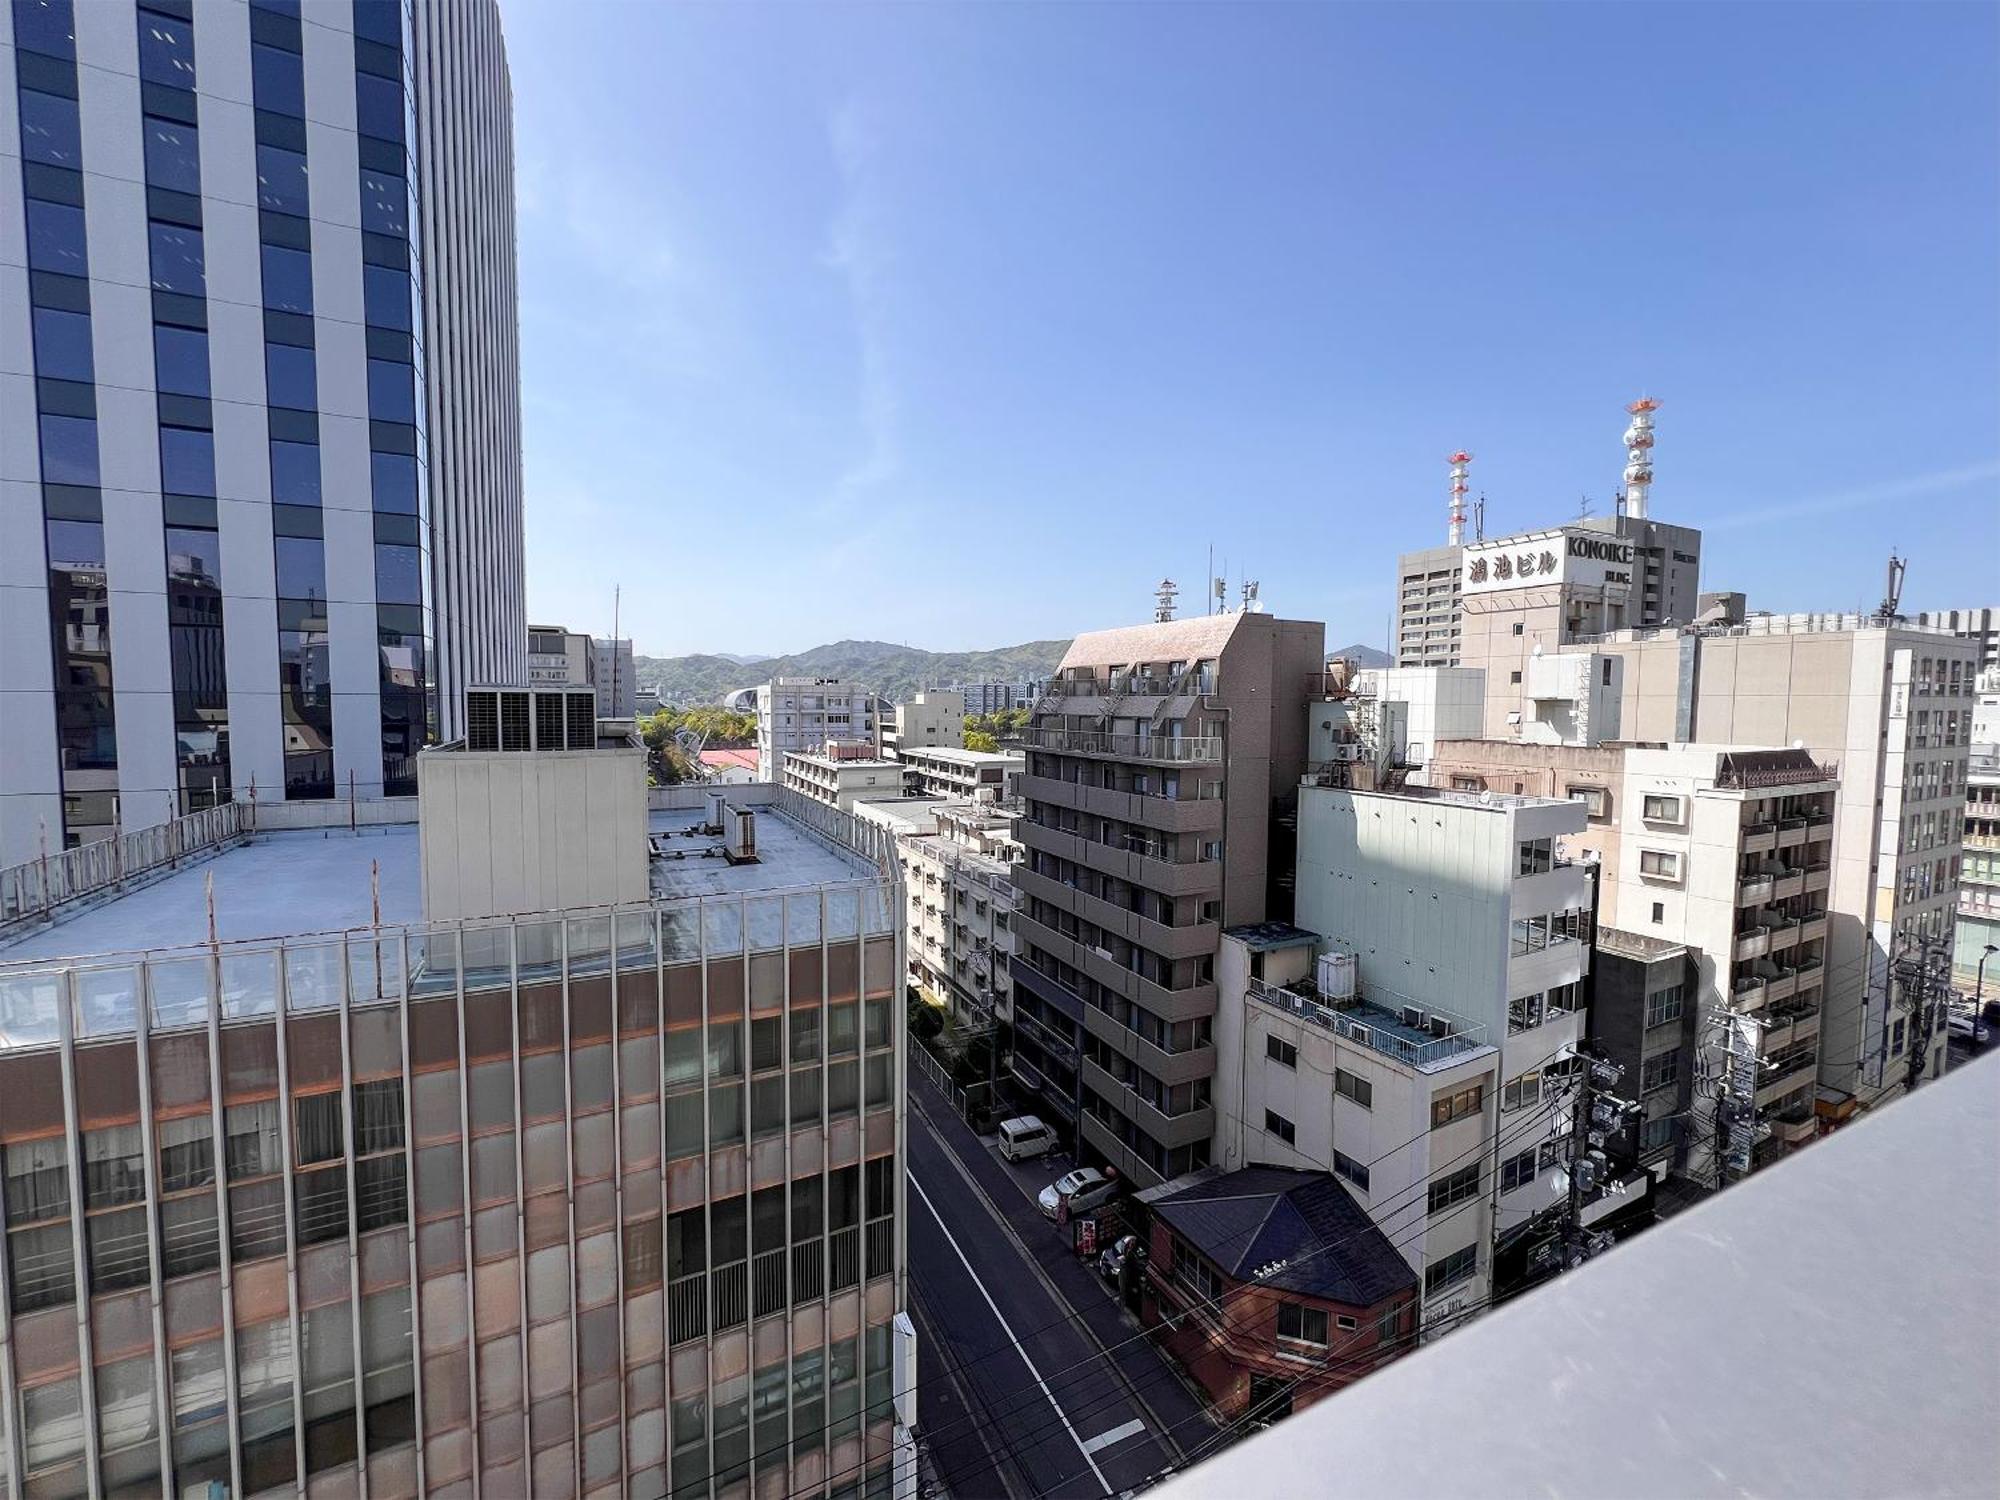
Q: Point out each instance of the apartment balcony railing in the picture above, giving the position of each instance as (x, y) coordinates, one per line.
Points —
(1063, 1051)
(1166, 749)
(1752, 942)
(881, 1247)
(687, 1308)
(769, 1283)
(1756, 890)
(808, 1271)
(1812, 928)
(844, 1253)
(1791, 832)
(1749, 992)
(730, 1295)
(1760, 838)
(1371, 1026)
(1794, 1126)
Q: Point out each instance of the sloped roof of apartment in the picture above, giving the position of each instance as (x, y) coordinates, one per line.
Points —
(1192, 639)
(1259, 1216)
(725, 759)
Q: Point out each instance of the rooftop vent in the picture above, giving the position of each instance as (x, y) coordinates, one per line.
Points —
(518, 719)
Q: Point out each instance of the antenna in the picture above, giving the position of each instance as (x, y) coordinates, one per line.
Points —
(1479, 520)
(1639, 456)
(1163, 601)
(1892, 600)
(1455, 533)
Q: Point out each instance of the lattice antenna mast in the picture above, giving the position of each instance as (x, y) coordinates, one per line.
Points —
(1639, 456)
(1455, 534)
(1163, 601)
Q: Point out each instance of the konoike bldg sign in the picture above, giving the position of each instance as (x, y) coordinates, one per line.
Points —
(1581, 559)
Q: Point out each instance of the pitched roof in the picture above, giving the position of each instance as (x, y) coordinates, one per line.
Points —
(1305, 1221)
(724, 758)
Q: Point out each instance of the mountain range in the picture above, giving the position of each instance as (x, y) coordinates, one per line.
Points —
(1362, 656)
(892, 671)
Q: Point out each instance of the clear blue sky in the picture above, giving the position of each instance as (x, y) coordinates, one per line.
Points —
(962, 325)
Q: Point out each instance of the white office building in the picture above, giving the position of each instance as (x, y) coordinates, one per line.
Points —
(806, 713)
(926, 720)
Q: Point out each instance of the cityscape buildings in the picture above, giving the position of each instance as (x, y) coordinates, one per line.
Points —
(260, 483)
(928, 719)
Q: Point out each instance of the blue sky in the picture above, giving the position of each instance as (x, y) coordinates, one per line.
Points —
(962, 325)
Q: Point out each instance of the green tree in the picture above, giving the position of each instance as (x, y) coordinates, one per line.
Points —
(977, 739)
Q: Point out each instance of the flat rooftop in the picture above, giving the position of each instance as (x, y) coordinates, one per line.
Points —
(687, 863)
(276, 885)
(270, 885)
(953, 755)
(844, 762)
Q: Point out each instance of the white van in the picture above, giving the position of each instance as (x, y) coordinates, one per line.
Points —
(1025, 1137)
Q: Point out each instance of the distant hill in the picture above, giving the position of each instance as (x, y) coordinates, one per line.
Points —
(892, 671)
(1362, 656)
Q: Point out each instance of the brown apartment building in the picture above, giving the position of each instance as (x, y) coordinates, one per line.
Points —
(1154, 760)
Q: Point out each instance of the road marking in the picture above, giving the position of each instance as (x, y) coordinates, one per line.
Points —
(1116, 1435)
(1081, 1447)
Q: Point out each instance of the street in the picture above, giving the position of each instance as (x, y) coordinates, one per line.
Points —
(1053, 1416)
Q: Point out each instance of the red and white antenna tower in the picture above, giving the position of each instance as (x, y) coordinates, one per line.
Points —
(1458, 461)
(1639, 456)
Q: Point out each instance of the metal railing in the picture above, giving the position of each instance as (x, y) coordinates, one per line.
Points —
(768, 1282)
(687, 1308)
(808, 1271)
(844, 1257)
(1370, 1026)
(881, 1247)
(730, 1294)
(38, 886)
(1168, 748)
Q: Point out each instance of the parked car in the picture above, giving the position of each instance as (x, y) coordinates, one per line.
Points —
(1025, 1136)
(1968, 1028)
(1079, 1192)
(1112, 1261)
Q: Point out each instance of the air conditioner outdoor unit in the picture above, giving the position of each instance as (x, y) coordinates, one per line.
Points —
(1413, 1018)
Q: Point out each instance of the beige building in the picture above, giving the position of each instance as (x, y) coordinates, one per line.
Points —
(1889, 704)
(958, 884)
(805, 713)
(1154, 760)
(842, 775)
(929, 719)
(951, 772)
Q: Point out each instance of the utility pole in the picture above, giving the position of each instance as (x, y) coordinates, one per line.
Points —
(1923, 968)
(1595, 1117)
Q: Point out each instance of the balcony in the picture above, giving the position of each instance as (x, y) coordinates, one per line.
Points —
(1749, 992)
(1195, 1124)
(1168, 1067)
(1045, 1038)
(1760, 838)
(1791, 833)
(1756, 890)
(1201, 877)
(1189, 941)
(1752, 942)
(1778, 1084)
(1781, 986)
(1784, 934)
(1165, 749)
(1790, 883)
(1794, 1127)
(1188, 813)
(1818, 877)
(1812, 929)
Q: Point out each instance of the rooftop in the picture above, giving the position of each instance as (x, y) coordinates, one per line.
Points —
(1637, 945)
(953, 755)
(1327, 1244)
(1709, 1356)
(747, 759)
(842, 762)
(1480, 801)
(688, 863)
(270, 885)
(1266, 937)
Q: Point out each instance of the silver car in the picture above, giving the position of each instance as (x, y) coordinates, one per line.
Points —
(1079, 1191)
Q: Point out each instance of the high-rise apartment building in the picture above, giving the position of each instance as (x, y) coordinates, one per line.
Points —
(958, 868)
(617, 687)
(314, 1196)
(260, 493)
(807, 713)
(1155, 762)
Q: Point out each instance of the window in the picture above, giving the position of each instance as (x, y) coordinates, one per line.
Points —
(55, 238)
(1655, 1134)
(1346, 1166)
(177, 259)
(180, 360)
(1349, 1086)
(1519, 627)
(287, 279)
(1595, 799)
(1195, 1274)
(278, 79)
(1660, 1072)
(1537, 856)
(391, 391)
(1276, 1124)
(1464, 1104)
(1659, 911)
(187, 461)
(1665, 1005)
(1304, 1325)
(1514, 678)
(1662, 864)
(1522, 1090)
(1661, 809)
(62, 345)
(1896, 1037)
(1517, 1171)
(1468, 783)
(281, 180)
(1454, 1188)
(1451, 1270)
(290, 377)
(294, 473)
(173, 155)
(1281, 1052)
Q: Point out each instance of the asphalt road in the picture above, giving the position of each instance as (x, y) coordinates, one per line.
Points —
(1046, 1418)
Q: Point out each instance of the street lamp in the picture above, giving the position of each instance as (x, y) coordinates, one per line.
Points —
(1979, 984)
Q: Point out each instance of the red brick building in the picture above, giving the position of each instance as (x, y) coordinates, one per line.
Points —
(1340, 1302)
